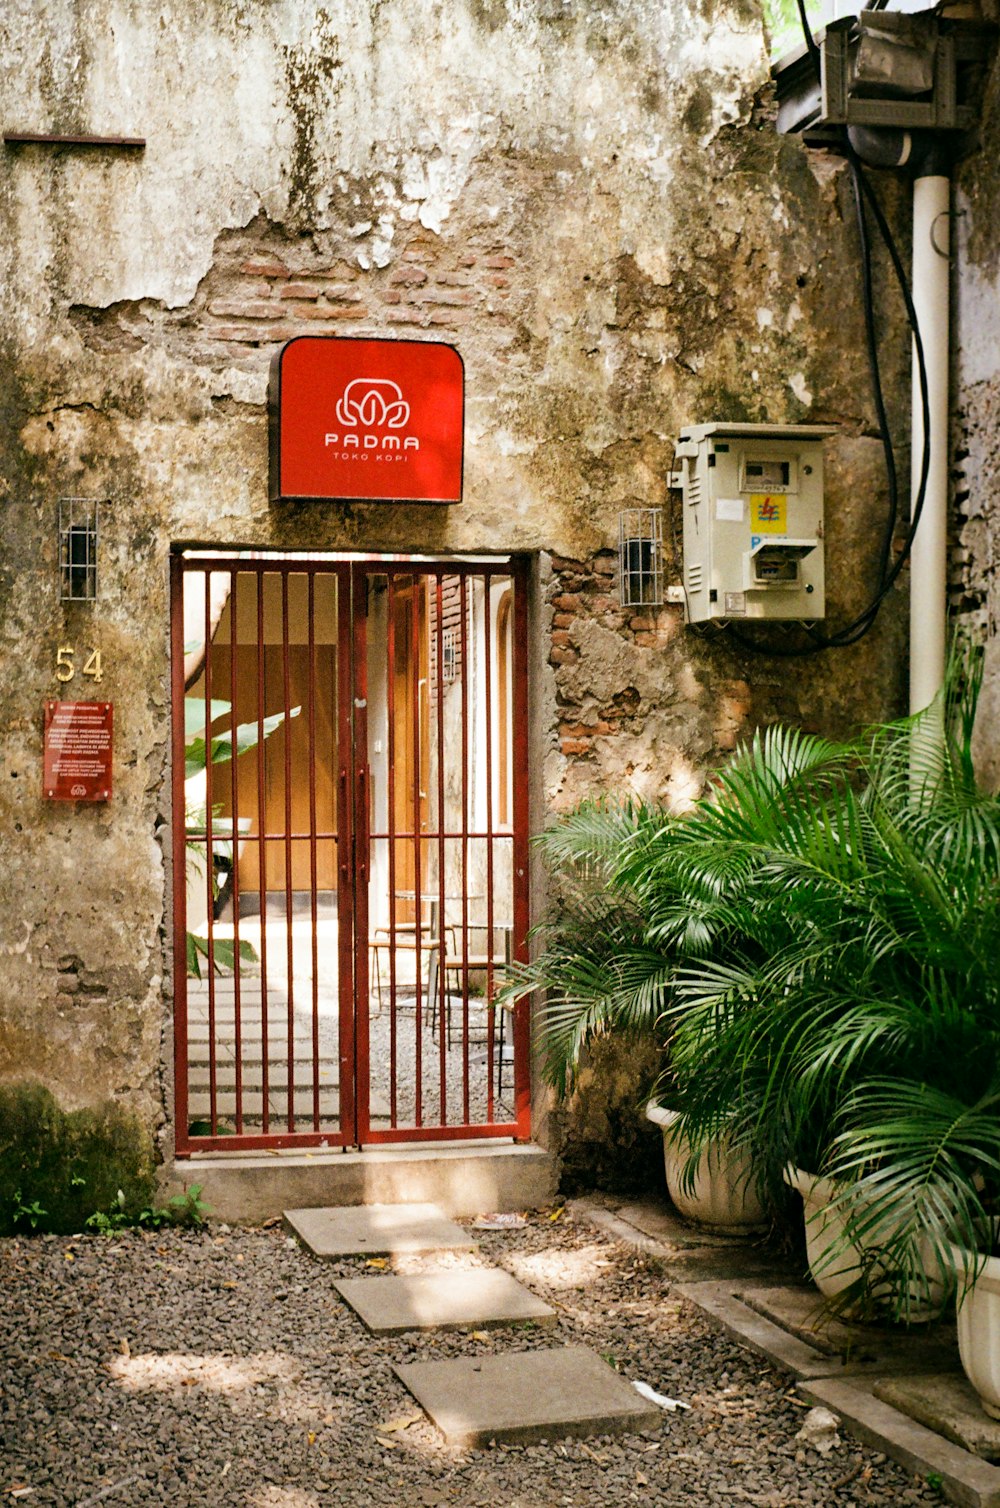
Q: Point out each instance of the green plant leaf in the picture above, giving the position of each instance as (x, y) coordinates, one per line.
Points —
(223, 953)
(247, 736)
(194, 713)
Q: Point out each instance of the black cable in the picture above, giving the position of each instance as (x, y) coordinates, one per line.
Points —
(810, 41)
(887, 576)
(874, 368)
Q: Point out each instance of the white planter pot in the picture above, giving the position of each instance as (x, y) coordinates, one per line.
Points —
(835, 1263)
(722, 1197)
(979, 1324)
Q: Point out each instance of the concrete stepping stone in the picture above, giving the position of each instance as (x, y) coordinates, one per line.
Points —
(526, 1396)
(378, 1230)
(477, 1300)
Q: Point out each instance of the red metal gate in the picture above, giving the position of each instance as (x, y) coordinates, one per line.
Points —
(350, 841)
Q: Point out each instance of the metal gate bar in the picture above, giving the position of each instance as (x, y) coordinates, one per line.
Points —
(447, 843)
(450, 854)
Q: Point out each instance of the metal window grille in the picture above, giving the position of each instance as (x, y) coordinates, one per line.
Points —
(449, 654)
(640, 555)
(78, 533)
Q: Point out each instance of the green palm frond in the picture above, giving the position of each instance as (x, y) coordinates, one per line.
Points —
(914, 1162)
(591, 836)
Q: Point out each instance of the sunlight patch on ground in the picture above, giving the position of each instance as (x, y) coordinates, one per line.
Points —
(214, 1373)
(283, 1497)
(561, 1269)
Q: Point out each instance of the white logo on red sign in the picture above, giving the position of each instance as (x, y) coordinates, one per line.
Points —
(373, 401)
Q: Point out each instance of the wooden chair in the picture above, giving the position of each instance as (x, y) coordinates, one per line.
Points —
(456, 961)
(403, 939)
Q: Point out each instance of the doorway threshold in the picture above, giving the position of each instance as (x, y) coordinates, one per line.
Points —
(462, 1179)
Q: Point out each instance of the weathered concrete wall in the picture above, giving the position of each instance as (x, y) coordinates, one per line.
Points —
(588, 199)
(975, 555)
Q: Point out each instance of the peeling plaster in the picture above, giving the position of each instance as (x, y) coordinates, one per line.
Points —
(590, 202)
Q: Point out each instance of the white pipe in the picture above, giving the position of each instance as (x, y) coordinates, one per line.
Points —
(929, 557)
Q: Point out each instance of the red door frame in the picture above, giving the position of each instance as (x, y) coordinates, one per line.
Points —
(353, 850)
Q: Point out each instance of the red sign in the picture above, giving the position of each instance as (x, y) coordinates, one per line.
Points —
(77, 765)
(379, 420)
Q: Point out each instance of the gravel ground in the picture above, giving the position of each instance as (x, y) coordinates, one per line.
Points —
(220, 1367)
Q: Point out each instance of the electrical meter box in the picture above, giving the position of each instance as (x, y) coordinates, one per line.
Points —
(753, 520)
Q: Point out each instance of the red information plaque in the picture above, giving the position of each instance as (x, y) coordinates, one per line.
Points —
(379, 420)
(77, 764)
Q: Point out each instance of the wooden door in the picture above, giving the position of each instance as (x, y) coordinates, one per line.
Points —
(411, 753)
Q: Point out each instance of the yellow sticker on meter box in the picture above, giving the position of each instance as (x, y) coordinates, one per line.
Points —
(768, 513)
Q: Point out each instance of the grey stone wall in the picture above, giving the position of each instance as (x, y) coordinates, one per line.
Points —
(975, 554)
(588, 199)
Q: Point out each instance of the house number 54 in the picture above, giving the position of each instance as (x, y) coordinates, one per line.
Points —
(66, 663)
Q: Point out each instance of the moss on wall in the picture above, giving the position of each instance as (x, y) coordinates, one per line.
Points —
(67, 1164)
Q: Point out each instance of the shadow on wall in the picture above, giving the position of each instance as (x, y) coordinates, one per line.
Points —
(607, 1143)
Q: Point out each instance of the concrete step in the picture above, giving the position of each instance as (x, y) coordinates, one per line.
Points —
(199, 1104)
(200, 1101)
(469, 1178)
(198, 1068)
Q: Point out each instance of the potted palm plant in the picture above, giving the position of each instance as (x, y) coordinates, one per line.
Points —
(853, 1020)
(606, 969)
(817, 942)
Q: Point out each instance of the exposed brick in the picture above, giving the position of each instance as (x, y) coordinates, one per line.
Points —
(735, 708)
(454, 296)
(568, 602)
(468, 260)
(560, 636)
(408, 273)
(563, 620)
(642, 624)
(498, 280)
(646, 641)
(559, 656)
(605, 604)
(575, 745)
(453, 279)
(605, 564)
(278, 332)
(264, 267)
(404, 316)
(391, 296)
(248, 334)
(450, 316)
(499, 261)
(600, 729)
(332, 311)
(240, 309)
(561, 563)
